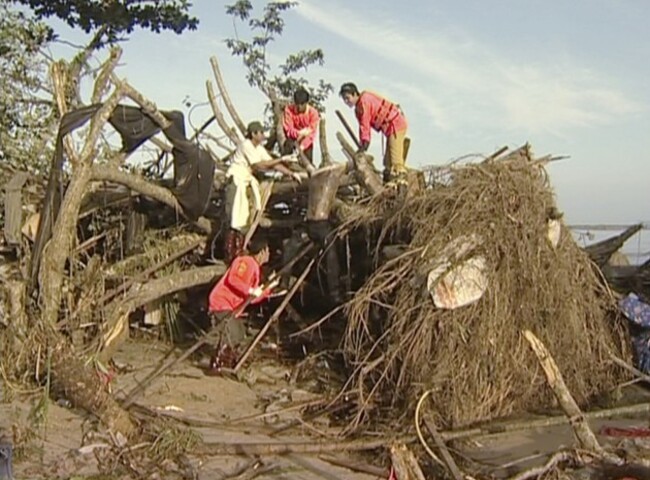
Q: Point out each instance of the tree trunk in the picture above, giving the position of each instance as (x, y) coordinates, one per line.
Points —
(326, 159)
(366, 175)
(80, 383)
(58, 248)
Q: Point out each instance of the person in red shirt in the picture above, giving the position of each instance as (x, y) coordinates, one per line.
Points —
(300, 123)
(241, 281)
(376, 112)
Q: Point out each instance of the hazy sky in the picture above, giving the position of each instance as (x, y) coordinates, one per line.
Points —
(571, 78)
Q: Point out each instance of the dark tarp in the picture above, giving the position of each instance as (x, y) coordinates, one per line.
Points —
(193, 166)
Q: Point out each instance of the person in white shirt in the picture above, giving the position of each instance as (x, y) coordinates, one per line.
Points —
(250, 157)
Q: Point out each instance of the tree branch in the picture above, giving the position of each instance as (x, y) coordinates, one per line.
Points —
(144, 187)
(101, 84)
(218, 114)
(139, 295)
(224, 94)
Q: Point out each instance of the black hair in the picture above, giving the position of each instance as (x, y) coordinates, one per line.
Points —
(348, 87)
(300, 96)
(257, 244)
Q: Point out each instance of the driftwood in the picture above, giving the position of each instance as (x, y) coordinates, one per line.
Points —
(348, 129)
(405, 465)
(323, 186)
(141, 185)
(218, 115)
(142, 276)
(57, 250)
(578, 423)
(444, 451)
(500, 428)
(283, 448)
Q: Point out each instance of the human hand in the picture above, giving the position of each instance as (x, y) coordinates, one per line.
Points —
(256, 292)
(304, 132)
(363, 147)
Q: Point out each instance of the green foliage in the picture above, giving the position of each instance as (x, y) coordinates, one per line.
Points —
(263, 30)
(25, 116)
(117, 17)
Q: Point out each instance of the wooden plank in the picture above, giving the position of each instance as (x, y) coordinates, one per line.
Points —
(14, 208)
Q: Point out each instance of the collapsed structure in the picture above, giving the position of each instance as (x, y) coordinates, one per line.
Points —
(439, 281)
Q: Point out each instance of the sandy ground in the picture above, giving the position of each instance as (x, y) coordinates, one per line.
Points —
(242, 411)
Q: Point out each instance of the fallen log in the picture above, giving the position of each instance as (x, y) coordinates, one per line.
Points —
(283, 448)
(119, 310)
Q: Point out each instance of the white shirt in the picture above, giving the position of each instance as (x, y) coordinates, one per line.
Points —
(248, 154)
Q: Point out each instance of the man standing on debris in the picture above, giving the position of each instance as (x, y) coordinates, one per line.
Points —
(382, 115)
(241, 281)
(300, 123)
(249, 158)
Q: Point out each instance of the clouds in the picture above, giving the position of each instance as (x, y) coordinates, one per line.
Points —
(463, 84)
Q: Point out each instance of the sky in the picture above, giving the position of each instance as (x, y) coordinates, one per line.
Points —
(570, 78)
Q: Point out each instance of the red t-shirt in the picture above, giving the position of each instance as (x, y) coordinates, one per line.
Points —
(233, 288)
(295, 121)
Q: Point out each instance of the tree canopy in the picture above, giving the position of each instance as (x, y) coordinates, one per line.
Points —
(24, 114)
(253, 51)
(116, 18)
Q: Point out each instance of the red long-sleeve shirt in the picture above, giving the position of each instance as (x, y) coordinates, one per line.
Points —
(375, 111)
(295, 121)
(233, 288)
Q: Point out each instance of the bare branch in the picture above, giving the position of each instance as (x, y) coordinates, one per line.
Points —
(224, 94)
(144, 187)
(101, 84)
(218, 114)
(59, 76)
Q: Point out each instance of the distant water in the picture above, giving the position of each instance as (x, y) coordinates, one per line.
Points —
(637, 248)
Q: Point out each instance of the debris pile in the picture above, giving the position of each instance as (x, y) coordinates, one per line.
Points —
(486, 236)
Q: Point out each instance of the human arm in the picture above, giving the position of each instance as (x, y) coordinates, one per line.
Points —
(262, 295)
(308, 134)
(363, 115)
(287, 172)
(288, 124)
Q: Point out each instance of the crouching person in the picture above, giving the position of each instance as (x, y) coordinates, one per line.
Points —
(241, 281)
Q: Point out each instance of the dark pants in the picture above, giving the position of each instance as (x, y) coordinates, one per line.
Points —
(291, 145)
(231, 330)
